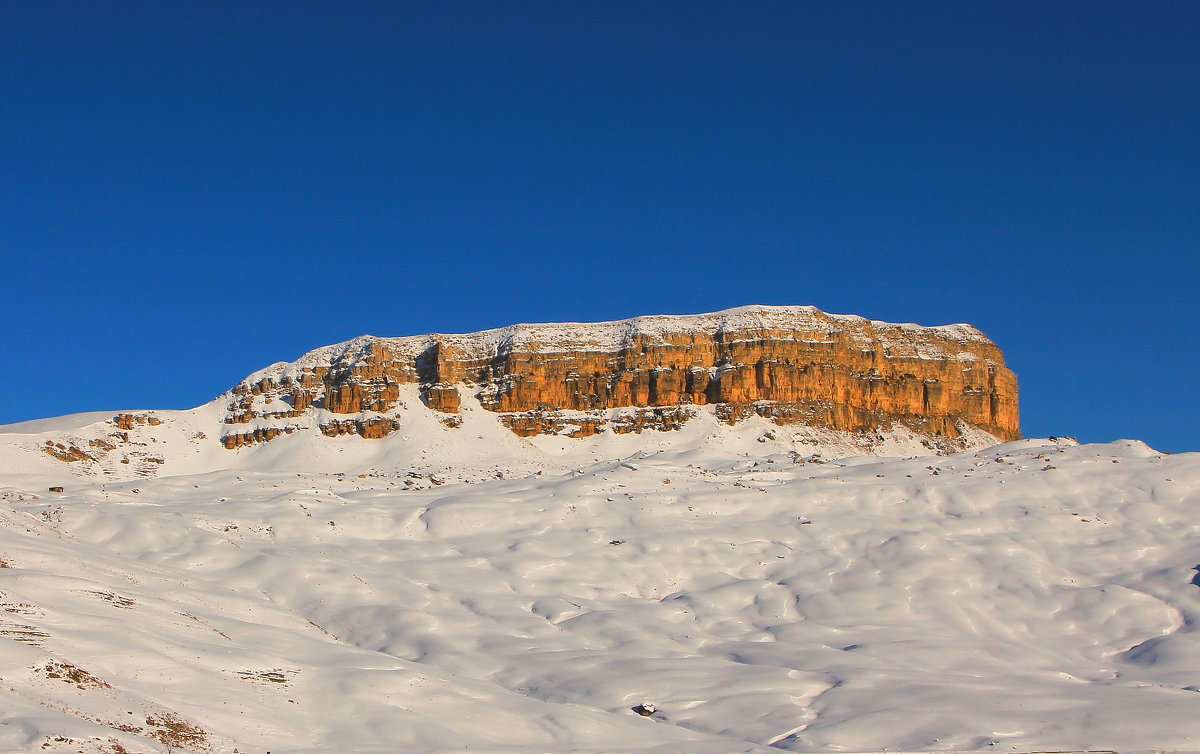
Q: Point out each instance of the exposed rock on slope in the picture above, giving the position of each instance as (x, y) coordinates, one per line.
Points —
(787, 379)
(787, 364)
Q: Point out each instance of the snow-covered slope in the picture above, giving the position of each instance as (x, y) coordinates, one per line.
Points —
(520, 539)
(167, 443)
(1035, 595)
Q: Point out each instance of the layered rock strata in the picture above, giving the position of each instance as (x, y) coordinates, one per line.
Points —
(786, 364)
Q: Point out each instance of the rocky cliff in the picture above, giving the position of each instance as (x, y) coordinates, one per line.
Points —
(787, 364)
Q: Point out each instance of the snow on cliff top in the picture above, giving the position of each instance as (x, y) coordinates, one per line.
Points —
(807, 322)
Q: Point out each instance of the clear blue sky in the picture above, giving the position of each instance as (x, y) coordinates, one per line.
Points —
(192, 190)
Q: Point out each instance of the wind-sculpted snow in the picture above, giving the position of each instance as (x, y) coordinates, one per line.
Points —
(1031, 596)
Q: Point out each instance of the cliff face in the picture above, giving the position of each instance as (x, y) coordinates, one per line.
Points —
(788, 364)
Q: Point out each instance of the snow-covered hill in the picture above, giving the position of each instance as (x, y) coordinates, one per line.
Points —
(475, 446)
(767, 528)
(508, 595)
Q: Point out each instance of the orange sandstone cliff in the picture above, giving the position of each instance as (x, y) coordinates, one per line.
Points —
(789, 364)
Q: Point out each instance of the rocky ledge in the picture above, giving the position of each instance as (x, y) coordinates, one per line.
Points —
(788, 364)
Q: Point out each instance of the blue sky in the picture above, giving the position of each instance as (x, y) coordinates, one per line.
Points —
(194, 190)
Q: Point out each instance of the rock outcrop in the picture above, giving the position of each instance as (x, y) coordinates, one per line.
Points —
(786, 364)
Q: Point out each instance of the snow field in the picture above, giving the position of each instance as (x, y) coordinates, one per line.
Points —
(1034, 595)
